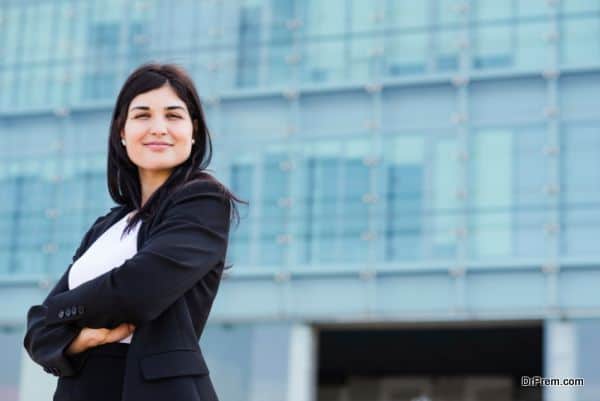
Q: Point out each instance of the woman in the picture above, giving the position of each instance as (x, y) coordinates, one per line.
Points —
(124, 321)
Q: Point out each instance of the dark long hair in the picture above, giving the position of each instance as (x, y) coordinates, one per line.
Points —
(123, 180)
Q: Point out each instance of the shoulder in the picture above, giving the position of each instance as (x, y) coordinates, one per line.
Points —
(200, 197)
(203, 186)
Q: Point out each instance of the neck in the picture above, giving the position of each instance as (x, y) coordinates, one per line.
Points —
(150, 181)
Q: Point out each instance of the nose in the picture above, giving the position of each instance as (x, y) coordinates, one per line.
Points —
(158, 127)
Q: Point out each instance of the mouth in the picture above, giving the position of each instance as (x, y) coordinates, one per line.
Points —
(157, 145)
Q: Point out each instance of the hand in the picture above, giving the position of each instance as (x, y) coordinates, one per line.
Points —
(89, 337)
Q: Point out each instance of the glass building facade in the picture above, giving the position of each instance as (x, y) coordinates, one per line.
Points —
(404, 160)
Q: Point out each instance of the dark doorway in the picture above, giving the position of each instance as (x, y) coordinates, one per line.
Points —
(430, 363)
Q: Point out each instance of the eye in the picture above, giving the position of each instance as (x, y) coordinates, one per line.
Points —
(173, 116)
(142, 115)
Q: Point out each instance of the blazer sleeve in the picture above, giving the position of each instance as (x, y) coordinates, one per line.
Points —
(46, 345)
(187, 243)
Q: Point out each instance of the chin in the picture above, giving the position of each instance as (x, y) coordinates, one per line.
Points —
(157, 168)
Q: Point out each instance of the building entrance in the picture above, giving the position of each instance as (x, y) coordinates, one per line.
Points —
(430, 363)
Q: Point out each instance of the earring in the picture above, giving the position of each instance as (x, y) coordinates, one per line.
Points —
(193, 141)
(123, 141)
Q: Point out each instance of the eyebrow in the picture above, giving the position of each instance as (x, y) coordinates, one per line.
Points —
(166, 108)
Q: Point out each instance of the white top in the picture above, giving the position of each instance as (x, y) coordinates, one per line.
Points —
(105, 253)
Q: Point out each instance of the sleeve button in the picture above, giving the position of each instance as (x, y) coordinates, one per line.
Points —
(68, 312)
(61, 314)
(81, 309)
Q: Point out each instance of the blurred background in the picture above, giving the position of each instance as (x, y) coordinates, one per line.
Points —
(423, 179)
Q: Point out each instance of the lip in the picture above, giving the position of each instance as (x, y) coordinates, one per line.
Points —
(157, 145)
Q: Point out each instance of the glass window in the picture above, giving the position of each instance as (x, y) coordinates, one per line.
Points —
(322, 178)
(363, 63)
(63, 35)
(365, 38)
(493, 10)
(280, 71)
(324, 18)
(280, 48)
(324, 26)
(587, 347)
(324, 61)
(13, 22)
(575, 6)
(493, 48)
(8, 210)
(249, 46)
(79, 30)
(446, 206)
(406, 13)
(29, 40)
(242, 173)
(491, 171)
(34, 194)
(447, 48)
(365, 16)
(183, 20)
(44, 39)
(581, 186)
(531, 8)
(532, 50)
(8, 84)
(3, 28)
(355, 213)
(35, 86)
(57, 75)
(403, 220)
(448, 12)
(581, 40)
(100, 81)
(532, 205)
(273, 219)
(11, 349)
(406, 53)
(282, 12)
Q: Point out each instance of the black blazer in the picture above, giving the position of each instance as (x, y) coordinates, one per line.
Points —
(166, 289)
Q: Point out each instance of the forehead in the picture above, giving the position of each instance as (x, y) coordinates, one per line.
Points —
(158, 98)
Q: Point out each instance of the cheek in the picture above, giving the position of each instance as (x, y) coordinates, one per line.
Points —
(182, 133)
(133, 131)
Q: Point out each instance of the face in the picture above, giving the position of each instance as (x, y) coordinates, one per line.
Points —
(158, 131)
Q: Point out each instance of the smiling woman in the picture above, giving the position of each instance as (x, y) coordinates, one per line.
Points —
(158, 136)
(110, 333)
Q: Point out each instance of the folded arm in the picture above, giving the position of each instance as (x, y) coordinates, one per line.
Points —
(46, 345)
(184, 246)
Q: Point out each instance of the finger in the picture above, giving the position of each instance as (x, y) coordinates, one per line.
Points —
(118, 333)
(94, 337)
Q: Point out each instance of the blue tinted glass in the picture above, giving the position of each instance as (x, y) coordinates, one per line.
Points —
(404, 198)
(406, 53)
(493, 48)
(532, 50)
(492, 182)
(581, 39)
(249, 35)
(241, 185)
(446, 213)
(581, 177)
(273, 216)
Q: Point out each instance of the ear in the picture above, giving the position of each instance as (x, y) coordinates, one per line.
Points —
(195, 124)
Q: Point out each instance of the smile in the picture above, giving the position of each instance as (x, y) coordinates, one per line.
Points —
(157, 145)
